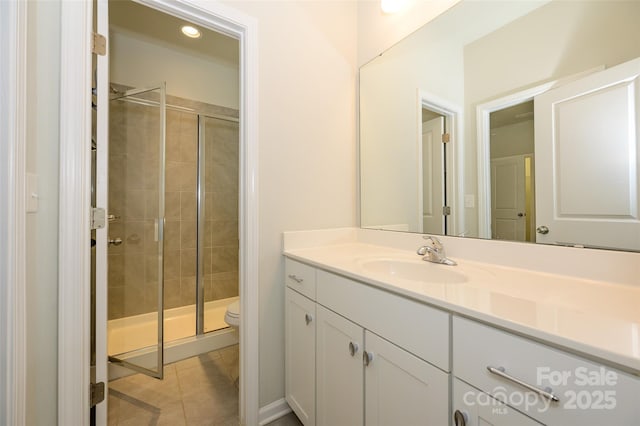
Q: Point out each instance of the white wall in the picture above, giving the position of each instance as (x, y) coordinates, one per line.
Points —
(307, 76)
(378, 31)
(42, 227)
(137, 62)
(543, 46)
(512, 139)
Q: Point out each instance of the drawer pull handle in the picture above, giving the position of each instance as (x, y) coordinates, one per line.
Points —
(296, 279)
(308, 318)
(500, 371)
(353, 348)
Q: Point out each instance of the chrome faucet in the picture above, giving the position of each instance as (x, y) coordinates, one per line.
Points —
(434, 252)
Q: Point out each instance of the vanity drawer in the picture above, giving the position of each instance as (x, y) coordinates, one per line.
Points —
(589, 393)
(415, 327)
(300, 277)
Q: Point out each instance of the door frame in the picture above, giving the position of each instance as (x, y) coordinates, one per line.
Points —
(453, 125)
(75, 174)
(13, 156)
(483, 138)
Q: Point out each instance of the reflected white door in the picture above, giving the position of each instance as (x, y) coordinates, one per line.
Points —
(432, 176)
(587, 151)
(508, 198)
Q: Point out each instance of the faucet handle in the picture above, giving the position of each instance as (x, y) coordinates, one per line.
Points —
(437, 244)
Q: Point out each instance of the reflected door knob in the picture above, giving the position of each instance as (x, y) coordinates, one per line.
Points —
(542, 230)
(520, 214)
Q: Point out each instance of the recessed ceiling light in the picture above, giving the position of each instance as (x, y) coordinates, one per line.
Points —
(190, 31)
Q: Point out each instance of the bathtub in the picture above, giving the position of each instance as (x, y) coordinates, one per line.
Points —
(128, 335)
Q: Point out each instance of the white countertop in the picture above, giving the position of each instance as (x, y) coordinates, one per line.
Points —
(597, 319)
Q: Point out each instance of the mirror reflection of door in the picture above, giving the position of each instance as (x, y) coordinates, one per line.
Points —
(433, 173)
(588, 144)
(512, 179)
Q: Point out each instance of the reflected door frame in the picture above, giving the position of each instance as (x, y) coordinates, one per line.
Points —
(483, 138)
(453, 125)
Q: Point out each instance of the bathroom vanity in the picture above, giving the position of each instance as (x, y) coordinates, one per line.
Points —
(376, 336)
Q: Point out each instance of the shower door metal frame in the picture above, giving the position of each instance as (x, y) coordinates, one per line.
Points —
(159, 374)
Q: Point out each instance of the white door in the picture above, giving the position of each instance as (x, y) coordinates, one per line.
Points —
(300, 356)
(587, 150)
(479, 409)
(401, 389)
(508, 198)
(432, 176)
(339, 370)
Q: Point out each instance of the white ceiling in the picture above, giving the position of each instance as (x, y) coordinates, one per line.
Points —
(128, 17)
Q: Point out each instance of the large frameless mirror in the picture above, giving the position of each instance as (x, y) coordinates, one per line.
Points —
(508, 120)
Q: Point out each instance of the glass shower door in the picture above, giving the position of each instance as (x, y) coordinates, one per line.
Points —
(136, 229)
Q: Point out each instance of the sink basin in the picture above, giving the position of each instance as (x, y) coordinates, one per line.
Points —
(417, 270)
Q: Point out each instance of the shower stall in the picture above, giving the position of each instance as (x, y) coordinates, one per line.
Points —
(173, 227)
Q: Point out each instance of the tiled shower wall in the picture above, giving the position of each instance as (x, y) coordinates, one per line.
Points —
(133, 199)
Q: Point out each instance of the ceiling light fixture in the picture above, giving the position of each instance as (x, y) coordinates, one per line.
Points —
(190, 31)
(390, 6)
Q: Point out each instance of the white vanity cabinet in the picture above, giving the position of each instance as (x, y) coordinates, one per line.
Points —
(472, 407)
(380, 359)
(585, 393)
(300, 355)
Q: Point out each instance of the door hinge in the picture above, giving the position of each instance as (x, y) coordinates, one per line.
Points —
(98, 44)
(446, 138)
(98, 216)
(446, 210)
(96, 393)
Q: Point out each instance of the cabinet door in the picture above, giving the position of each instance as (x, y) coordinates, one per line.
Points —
(339, 372)
(300, 355)
(476, 408)
(402, 389)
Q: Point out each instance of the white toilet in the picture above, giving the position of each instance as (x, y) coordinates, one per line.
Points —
(232, 316)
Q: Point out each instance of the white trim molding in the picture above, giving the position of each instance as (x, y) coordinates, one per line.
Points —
(74, 290)
(273, 411)
(13, 115)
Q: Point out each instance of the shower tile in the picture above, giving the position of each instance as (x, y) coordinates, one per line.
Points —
(133, 300)
(151, 268)
(115, 270)
(173, 136)
(151, 204)
(172, 205)
(134, 171)
(172, 176)
(189, 138)
(116, 303)
(172, 264)
(225, 205)
(208, 233)
(134, 270)
(188, 205)
(172, 293)
(133, 237)
(206, 259)
(134, 205)
(187, 174)
(188, 291)
(225, 232)
(224, 285)
(187, 263)
(150, 244)
(172, 235)
(187, 234)
(224, 259)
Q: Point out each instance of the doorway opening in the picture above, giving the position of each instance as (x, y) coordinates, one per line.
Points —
(511, 153)
(167, 168)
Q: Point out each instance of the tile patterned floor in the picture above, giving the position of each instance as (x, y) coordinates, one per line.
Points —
(198, 391)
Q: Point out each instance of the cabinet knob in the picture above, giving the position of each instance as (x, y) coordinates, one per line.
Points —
(308, 318)
(353, 348)
(459, 418)
(367, 357)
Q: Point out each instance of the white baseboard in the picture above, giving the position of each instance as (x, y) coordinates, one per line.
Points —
(273, 411)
